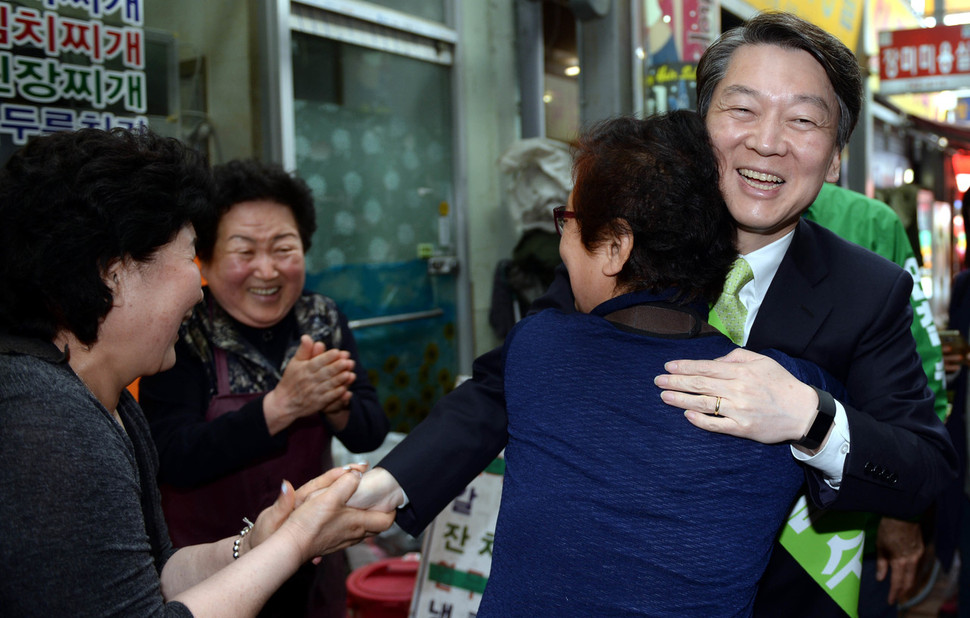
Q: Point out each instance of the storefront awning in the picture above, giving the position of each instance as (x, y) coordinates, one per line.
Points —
(957, 136)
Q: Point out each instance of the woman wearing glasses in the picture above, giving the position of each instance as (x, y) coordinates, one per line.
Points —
(612, 503)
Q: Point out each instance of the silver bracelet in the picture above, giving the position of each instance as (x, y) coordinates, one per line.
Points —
(242, 533)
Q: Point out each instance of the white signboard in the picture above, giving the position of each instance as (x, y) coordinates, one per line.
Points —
(457, 554)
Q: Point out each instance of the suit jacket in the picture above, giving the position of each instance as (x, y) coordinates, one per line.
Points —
(848, 310)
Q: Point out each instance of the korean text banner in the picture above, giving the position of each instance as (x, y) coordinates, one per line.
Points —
(924, 59)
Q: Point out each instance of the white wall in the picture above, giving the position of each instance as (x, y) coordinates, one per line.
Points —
(491, 113)
(219, 32)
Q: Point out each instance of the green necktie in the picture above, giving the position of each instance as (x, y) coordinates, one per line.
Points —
(728, 308)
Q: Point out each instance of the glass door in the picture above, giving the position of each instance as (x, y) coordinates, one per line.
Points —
(372, 136)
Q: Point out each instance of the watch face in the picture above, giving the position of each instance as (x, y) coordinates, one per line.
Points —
(823, 420)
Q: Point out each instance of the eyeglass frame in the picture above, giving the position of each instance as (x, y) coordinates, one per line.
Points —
(559, 216)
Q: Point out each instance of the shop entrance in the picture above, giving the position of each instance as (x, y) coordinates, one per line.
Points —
(372, 135)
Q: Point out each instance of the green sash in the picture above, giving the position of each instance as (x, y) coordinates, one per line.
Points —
(838, 567)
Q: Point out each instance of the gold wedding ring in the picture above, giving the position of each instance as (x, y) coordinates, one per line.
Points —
(717, 407)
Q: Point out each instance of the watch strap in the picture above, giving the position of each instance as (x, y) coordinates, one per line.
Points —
(824, 418)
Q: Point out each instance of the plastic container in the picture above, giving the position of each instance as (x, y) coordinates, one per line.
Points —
(382, 589)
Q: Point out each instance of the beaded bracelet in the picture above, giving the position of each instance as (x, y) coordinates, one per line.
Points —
(242, 533)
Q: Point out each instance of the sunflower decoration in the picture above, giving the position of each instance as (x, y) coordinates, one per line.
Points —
(446, 380)
(428, 393)
(431, 353)
(391, 363)
(424, 373)
(411, 409)
(392, 406)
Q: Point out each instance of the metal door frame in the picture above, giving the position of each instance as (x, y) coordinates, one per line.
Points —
(368, 25)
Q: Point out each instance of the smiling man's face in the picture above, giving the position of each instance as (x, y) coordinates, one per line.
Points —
(773, 120)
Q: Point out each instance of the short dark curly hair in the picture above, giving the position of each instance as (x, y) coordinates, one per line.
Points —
(659, 176)
(246, 180)
(71, 204)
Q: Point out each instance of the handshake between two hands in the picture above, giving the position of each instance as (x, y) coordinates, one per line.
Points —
(333, 511)
(375, 490)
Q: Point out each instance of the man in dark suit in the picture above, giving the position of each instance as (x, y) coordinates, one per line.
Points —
(780, 98)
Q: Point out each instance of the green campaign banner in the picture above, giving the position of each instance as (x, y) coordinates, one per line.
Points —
(828, 545)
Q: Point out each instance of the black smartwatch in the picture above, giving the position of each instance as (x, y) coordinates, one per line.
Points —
(823, 421)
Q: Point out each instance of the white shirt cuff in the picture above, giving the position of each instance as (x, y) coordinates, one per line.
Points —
(830, 460)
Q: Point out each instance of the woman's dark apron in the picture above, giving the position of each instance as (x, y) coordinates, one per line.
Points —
(215, 510)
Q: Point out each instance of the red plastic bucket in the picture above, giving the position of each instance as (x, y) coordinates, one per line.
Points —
(382, 589)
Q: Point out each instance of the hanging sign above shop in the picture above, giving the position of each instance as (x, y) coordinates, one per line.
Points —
(924, 59)
(842, 19)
